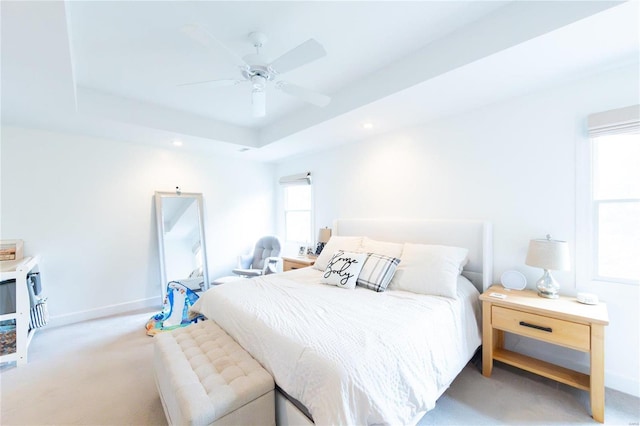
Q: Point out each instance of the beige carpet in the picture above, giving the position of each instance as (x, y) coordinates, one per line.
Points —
(100, 373)
(94, 373)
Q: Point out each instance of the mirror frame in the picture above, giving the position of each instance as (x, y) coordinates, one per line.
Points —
(159, 196)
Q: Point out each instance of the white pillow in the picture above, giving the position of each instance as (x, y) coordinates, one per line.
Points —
(335, 244)
(343, 269)
(381, 247)
(429, 269)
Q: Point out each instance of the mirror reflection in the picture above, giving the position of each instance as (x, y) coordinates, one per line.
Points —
(181, 240)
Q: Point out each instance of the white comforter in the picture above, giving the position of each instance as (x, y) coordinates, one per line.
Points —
(352, 357)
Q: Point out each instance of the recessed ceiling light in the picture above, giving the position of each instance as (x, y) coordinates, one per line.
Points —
(177, 143)
(367, 125)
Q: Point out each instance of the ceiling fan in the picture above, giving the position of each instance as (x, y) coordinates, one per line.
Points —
(257, 70)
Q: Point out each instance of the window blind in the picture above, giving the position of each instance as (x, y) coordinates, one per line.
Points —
(297, 179)
(614, 122)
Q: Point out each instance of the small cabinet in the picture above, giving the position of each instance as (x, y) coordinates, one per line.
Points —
(18, 271)
(561, 321)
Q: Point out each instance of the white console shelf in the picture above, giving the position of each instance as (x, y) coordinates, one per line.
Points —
(19, 270)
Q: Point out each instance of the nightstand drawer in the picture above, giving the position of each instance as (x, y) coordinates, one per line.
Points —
(560, 332)
(291, 263)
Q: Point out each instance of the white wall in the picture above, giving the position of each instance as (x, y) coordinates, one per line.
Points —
(86, 206)
(513, 163)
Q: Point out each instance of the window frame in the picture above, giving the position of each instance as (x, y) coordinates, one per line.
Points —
(587, 207)
(298, 180)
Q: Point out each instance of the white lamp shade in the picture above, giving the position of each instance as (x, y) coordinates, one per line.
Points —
(324, 235)
(548, 254)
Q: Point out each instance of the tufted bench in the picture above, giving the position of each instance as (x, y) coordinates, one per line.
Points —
(204, 377)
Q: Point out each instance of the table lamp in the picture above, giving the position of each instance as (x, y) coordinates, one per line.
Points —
(549, 255)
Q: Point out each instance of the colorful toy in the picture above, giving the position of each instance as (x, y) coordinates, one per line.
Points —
(175, 311)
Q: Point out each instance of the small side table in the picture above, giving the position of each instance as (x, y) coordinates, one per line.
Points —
(289, 263)
(563, 321)
(18, 270)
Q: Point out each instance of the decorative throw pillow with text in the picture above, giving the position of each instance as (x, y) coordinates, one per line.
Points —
(343, 269)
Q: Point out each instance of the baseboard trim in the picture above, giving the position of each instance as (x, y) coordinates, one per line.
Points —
(90, 314)
(622, 384)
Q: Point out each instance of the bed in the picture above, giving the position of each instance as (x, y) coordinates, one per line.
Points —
(360, 356)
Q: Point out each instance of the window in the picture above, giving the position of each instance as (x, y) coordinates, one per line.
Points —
(298, 217)
(613, 200)
(616, 206)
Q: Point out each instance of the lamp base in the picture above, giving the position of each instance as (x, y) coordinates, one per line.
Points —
(547, 286)
(548, 295)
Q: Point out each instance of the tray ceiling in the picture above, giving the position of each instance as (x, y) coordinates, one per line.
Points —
(113, 69)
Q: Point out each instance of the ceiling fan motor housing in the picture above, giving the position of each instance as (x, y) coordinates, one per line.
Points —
(257, 71)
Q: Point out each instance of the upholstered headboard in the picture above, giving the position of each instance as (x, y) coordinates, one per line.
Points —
(473, 235)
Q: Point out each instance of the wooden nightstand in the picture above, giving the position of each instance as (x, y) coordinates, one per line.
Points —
(563, 321)
(289, 263)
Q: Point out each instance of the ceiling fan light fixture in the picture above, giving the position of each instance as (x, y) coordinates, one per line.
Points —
(258, 103)
(258, 82)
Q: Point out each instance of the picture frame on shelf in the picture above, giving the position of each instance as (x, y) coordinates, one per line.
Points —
(319, 248)
(11, 250)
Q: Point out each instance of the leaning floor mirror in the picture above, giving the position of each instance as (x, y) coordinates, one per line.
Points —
(183, 255)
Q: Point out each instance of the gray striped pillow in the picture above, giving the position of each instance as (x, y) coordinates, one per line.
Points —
(377, 271)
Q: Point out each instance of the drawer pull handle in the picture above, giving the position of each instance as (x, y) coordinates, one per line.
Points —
(537, 327)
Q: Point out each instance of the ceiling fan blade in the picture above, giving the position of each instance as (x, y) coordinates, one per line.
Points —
(307, 52)
(305, 94)
(259, 103)
(213, 83)
(214, 45)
